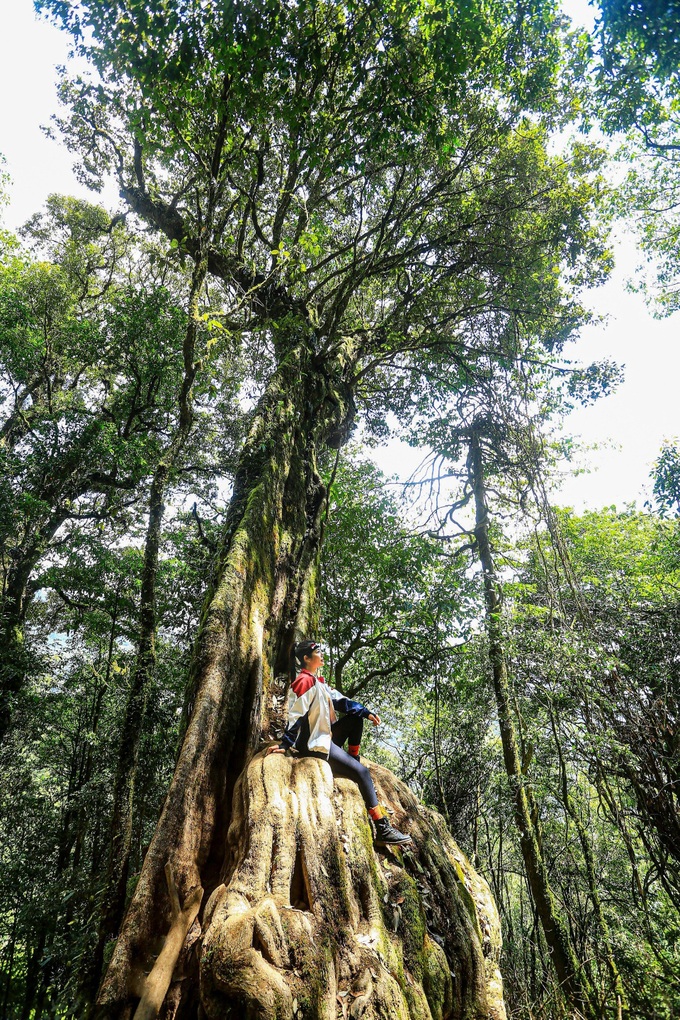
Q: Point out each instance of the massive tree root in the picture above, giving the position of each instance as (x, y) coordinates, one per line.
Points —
(313, 923)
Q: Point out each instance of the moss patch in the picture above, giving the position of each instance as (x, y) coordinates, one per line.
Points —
(467, 899)
(436, 980)
(412, 927)
(315, 961)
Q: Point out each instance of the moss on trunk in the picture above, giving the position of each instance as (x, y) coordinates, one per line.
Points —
(256, 601)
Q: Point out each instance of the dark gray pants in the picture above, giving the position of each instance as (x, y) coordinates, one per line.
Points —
(343, 764)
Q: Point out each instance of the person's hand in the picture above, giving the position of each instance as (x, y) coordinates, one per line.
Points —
(275, 749)
(375, 719)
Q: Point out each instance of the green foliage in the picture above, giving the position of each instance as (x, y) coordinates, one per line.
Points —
(591, 628)
(350, 153)
(91, 368)
(389, 598)
(397, 615)
(596, 693)
(666, 476)
(641, 35)
(636, 47)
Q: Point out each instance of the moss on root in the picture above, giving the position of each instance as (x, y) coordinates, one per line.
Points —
(437, 979)
(412, 924)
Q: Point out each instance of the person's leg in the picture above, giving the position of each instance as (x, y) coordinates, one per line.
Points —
(345, 766)
(350, 728)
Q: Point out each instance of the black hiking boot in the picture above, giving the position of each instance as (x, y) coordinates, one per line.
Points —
(385, 835)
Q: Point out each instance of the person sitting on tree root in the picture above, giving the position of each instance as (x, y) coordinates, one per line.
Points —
(315, 731)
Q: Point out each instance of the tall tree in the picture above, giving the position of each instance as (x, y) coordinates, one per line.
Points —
(490, 442)
(365, 184)
(556, 933)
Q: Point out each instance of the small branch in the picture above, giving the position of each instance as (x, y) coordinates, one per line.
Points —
(204, 538)
(82, 607)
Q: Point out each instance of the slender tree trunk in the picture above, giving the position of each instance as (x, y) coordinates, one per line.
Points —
(604, 949)
(10, 963)
(436, 750)
(12, 647)
(260, 592)
(564, 959)
(33, 974)
(72, 839)
(120, 828)
(533, 940)
(610, 804)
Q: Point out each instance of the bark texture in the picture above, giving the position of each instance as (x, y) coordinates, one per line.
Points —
(315, 923)
(259, 596)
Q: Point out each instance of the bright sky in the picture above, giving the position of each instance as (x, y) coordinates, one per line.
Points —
(627, 428)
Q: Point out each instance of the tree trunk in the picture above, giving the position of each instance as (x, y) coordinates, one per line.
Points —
(562, 953)
(9, 949)
(12, 647)
(259, 594)
(16, 598)
(74, 828)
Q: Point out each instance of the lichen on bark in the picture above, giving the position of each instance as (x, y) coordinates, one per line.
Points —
(312, 922)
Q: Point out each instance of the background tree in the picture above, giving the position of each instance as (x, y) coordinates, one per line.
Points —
(579, 700)
(666, 476)
(93, 348)
(637, 60)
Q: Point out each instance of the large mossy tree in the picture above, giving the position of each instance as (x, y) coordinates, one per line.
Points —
(372, 187)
